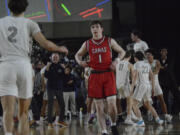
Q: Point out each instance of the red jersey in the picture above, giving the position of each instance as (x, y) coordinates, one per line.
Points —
(100, 54)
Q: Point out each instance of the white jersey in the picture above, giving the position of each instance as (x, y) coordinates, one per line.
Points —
(153, 66)
(143, 69)
(122, 73)
(140, 46)
(16, 37)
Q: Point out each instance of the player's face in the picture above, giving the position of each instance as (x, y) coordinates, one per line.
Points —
(149, 56)
(133, 37)
(40, 65)
(135, 59)
(164, 52)
(96, 29)
(55, 58)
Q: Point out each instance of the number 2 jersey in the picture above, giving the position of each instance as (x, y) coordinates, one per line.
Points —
(16, 37)
(100, 54)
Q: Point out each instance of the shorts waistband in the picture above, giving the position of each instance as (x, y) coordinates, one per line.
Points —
(99, 71)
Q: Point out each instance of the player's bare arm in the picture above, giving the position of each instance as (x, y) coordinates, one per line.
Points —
(48, 45)
(151, 76)
(157, 68)
(131, 68)
(43, 83)
(135, 76)
(82, 51)
(117, 48)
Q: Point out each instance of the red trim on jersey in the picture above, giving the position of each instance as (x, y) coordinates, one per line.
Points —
(87, 46)
(98, 42)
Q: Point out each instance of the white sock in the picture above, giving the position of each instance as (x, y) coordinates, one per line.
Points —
(140, 118)
(129, 117)
(8, 133)
(104, 131)
(41, 118)
(57, 119)
(30, 115)
(157, 118)
(113, 124)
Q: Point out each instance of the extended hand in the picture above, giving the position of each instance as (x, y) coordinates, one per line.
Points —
(63, 49)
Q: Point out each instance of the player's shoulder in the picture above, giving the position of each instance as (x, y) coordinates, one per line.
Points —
(143, 42)
(4, 18)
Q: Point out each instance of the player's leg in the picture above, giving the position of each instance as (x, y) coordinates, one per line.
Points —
(112, 109)
(136, 109)
(119, 108)
(8, 103)
(91, 110)
(164, 108)
(129, 110)
(129, 102)
(89, 104)
(99, 103)
(153, 111)
(163, 104)
(110, 94)
(23, 127)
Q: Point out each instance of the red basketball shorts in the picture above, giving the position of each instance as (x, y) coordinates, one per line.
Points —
(101, 85)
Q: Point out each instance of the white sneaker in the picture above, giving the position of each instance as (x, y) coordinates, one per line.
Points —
(140, 123)
(159, 121)
(129, 122)
(133, 117)
(168, 118)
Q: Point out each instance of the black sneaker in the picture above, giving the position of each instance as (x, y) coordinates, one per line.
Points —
(114, 130)
(104, 134)
(119, 120)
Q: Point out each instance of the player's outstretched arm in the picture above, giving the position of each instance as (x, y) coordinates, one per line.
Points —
(82, 51)
(48, 45)
(117, 48)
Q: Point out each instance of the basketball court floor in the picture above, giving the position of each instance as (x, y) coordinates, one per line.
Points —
(80, 127)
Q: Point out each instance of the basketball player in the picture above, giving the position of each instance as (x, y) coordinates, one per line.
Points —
(142, 73)
(139, 45)
(101, 81)
(155, 67)
(16, 70)
(124, 70)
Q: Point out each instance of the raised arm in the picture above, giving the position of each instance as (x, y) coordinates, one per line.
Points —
(81, 52)
(117, 48)
(48, 45)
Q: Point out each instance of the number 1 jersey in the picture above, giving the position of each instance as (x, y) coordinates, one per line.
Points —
(100, 54)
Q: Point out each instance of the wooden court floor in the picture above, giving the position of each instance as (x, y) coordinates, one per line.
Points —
(80, 127)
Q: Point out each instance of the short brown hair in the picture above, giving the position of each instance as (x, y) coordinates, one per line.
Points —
(96, 22)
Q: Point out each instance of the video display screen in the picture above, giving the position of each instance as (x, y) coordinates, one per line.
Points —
(64, 10)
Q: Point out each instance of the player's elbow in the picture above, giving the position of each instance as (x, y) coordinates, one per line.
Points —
(47, 45)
